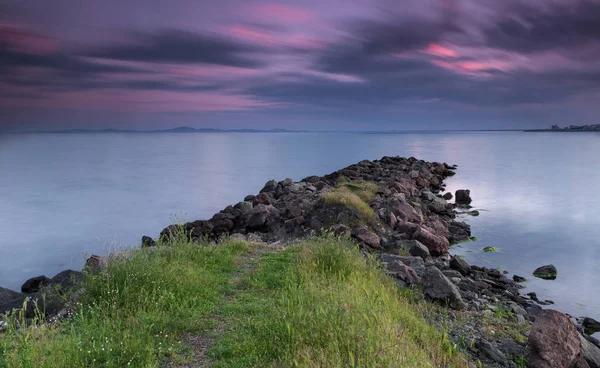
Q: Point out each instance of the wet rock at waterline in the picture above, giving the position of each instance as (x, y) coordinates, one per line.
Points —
(463, 196)
(548, 272)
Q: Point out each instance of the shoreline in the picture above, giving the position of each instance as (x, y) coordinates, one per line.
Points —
(394, 209)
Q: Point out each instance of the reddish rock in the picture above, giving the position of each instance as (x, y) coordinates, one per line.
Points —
(553, 341)
(436, 244)
(369, 238)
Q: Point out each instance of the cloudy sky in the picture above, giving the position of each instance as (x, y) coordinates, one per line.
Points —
(310, 64)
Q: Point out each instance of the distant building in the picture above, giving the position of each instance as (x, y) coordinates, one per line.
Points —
(555, 127)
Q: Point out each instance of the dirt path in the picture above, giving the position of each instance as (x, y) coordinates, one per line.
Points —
(201, 343)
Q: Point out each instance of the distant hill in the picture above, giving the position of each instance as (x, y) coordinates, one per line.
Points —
(174, 130)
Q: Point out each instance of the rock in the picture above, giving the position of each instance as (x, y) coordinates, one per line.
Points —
(34, 284)
(403, 211)
(448, 196)
(489, 249)
(94, 264)
(491, 352)
(369, 238)
(405, 274)
(147, 242)
(548, 272)
(292, 225)
(590, 353)
(244, 206)
(254, 238)
(269, 186)
(590, 325)
(437, 286)
(459, 264)
(463, 196)
(553, 341)
(47, 301)
(418, 249)
(67, 279)
(259, 216)
(237, 237)
(517, 278)
(341, 230)
(436, 244)
(10, 300)
(452, 274)
(249, 198)
(511, 347)
(416, 263)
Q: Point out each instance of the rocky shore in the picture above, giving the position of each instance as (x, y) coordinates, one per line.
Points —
(397, 209)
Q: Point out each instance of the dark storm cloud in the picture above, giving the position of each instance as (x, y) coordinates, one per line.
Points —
(177, 46)
(534, 27)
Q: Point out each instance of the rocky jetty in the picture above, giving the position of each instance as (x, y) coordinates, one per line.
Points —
(394, 208)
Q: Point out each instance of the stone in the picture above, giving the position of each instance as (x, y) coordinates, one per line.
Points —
(402, 272)
(436, 244)
(590, 353)
(294, 224)
(463, 196)
(511, 347)
(459, 264)
(452, 274)
(147, 242)
(437, 287)
(418, 249)
(254, 238)
(341, 230)
(34, 284)
(10, 300)
(491, 352)
(269, 186)
(448, 196)
(47, 301)
(67, 279)
(548, 272)
(517, 278)
(237, 237)
(553, 341)
(244, 206)
(249, 198)
(258, 216)
(366, 236)
(590, 325)
(94, 263)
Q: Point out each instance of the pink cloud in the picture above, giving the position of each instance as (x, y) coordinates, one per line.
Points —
(141, 100)
(257, 36)
(285, 13)
(252, 35)
(23, 40)
(435, 49)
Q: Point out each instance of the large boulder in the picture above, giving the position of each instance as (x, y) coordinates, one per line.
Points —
(418, 250)
(366, 236)
(437, 287)
(553, 341)
(34, 284)
(10, 300)
(463, 196)
(437, 244)
(147, 242)
(66, 280)
(403, 211)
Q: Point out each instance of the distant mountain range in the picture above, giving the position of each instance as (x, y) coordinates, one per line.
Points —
(174, 130)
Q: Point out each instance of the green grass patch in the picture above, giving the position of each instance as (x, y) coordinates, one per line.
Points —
(356, 196)
(322, 304)
(132, 315)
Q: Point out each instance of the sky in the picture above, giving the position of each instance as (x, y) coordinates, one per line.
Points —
(310, 64)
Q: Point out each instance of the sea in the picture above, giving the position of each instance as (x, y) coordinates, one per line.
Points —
(64, 197)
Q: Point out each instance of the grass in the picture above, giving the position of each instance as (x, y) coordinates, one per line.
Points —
(133, 315)
(319, 303)
(322, 304)
(356, 196)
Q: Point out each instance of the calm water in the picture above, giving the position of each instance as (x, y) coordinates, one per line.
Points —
(65, 196)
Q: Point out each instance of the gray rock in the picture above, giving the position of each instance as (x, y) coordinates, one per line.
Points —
(341, 230)
(66, 280)
(511, 347)
(448, 196)
(244, 206)
(437, 286)
(269, 186)
(254, 238)
(416, 263)
(517, 278)
(590, 325)
(10, 300)
(403, 273)
(34, 284)
(237, 236)
(417, 249)
(94, 264)
(591, 353)
(491, 352)
(452, 274)
(459, 264)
